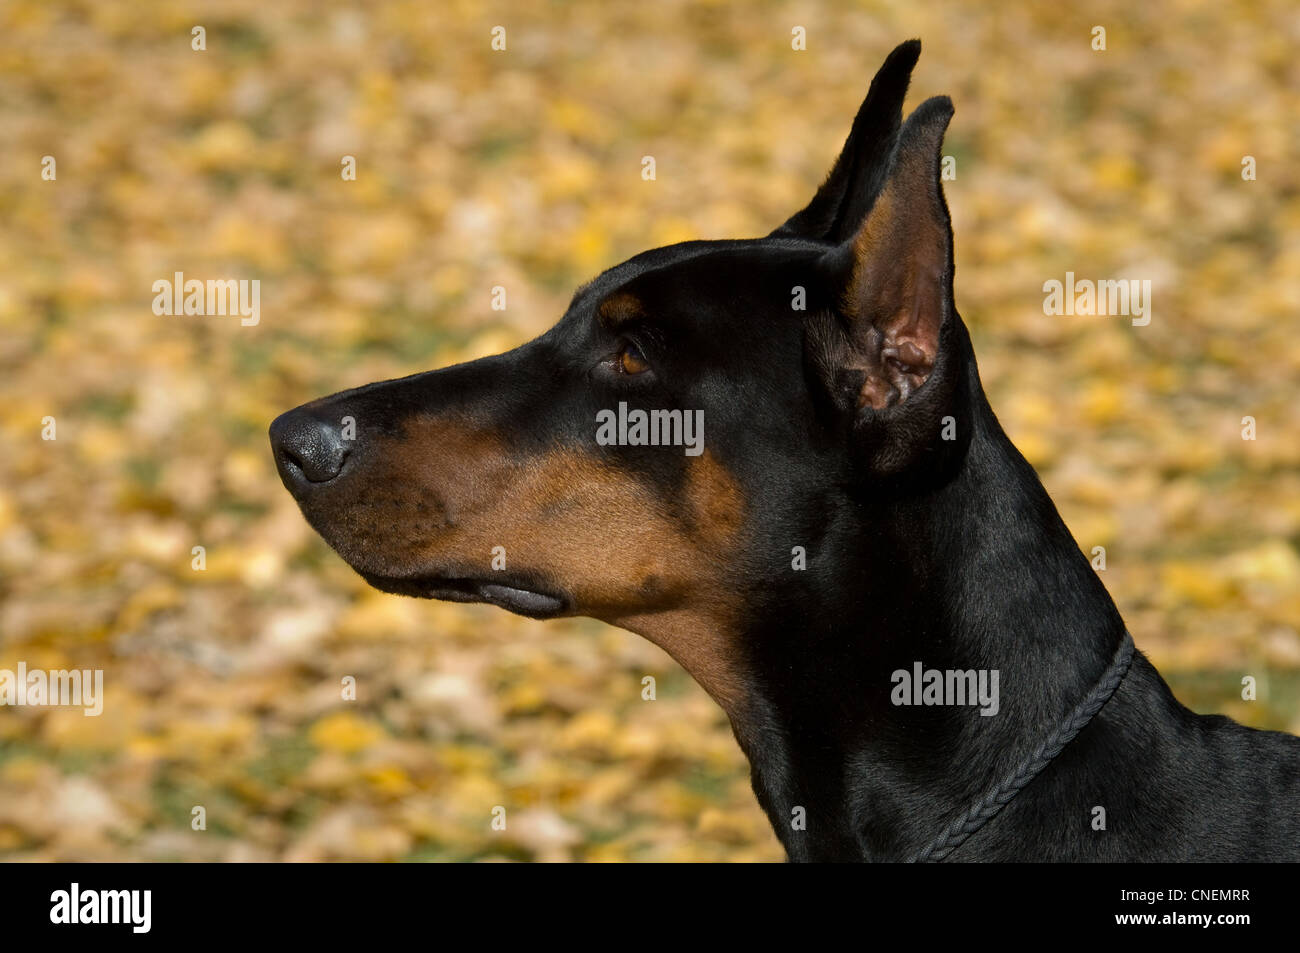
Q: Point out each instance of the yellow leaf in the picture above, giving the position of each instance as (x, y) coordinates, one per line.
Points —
(346, 732)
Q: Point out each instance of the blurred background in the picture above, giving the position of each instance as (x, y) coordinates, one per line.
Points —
(522, 168)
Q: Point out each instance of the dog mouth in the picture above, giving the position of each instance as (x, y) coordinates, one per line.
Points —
(530, 602)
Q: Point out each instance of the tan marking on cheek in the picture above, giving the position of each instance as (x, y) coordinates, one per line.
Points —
(622, 553)
(702, 635)
(717, 503)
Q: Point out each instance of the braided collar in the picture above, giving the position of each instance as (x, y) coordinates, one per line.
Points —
(967, 823)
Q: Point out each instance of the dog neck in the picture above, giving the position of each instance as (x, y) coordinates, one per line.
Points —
(977, 574)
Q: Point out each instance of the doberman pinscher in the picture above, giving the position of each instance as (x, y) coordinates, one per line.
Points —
(855, 517)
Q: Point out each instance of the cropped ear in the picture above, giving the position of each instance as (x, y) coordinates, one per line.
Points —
(841, 203)
(887, 351)
(899, 289)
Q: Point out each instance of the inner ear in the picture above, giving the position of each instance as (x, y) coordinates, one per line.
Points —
(897, 294)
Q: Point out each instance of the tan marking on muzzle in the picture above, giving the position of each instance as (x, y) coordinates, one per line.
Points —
(621, 552)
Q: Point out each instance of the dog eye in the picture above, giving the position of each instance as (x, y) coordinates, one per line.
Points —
(630, 360)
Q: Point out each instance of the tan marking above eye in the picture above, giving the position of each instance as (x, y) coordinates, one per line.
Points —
(618, 309)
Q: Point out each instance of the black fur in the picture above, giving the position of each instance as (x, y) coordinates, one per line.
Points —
(945, 551)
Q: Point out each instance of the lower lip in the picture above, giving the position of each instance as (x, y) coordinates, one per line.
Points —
(524, 602)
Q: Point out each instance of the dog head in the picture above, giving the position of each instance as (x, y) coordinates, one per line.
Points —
(699, 414)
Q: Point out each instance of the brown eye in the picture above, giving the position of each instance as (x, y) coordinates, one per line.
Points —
(630, 360)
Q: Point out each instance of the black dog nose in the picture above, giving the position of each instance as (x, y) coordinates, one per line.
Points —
(308, 449)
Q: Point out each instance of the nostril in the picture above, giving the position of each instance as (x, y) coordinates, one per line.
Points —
(316, 466)
(308, 448)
